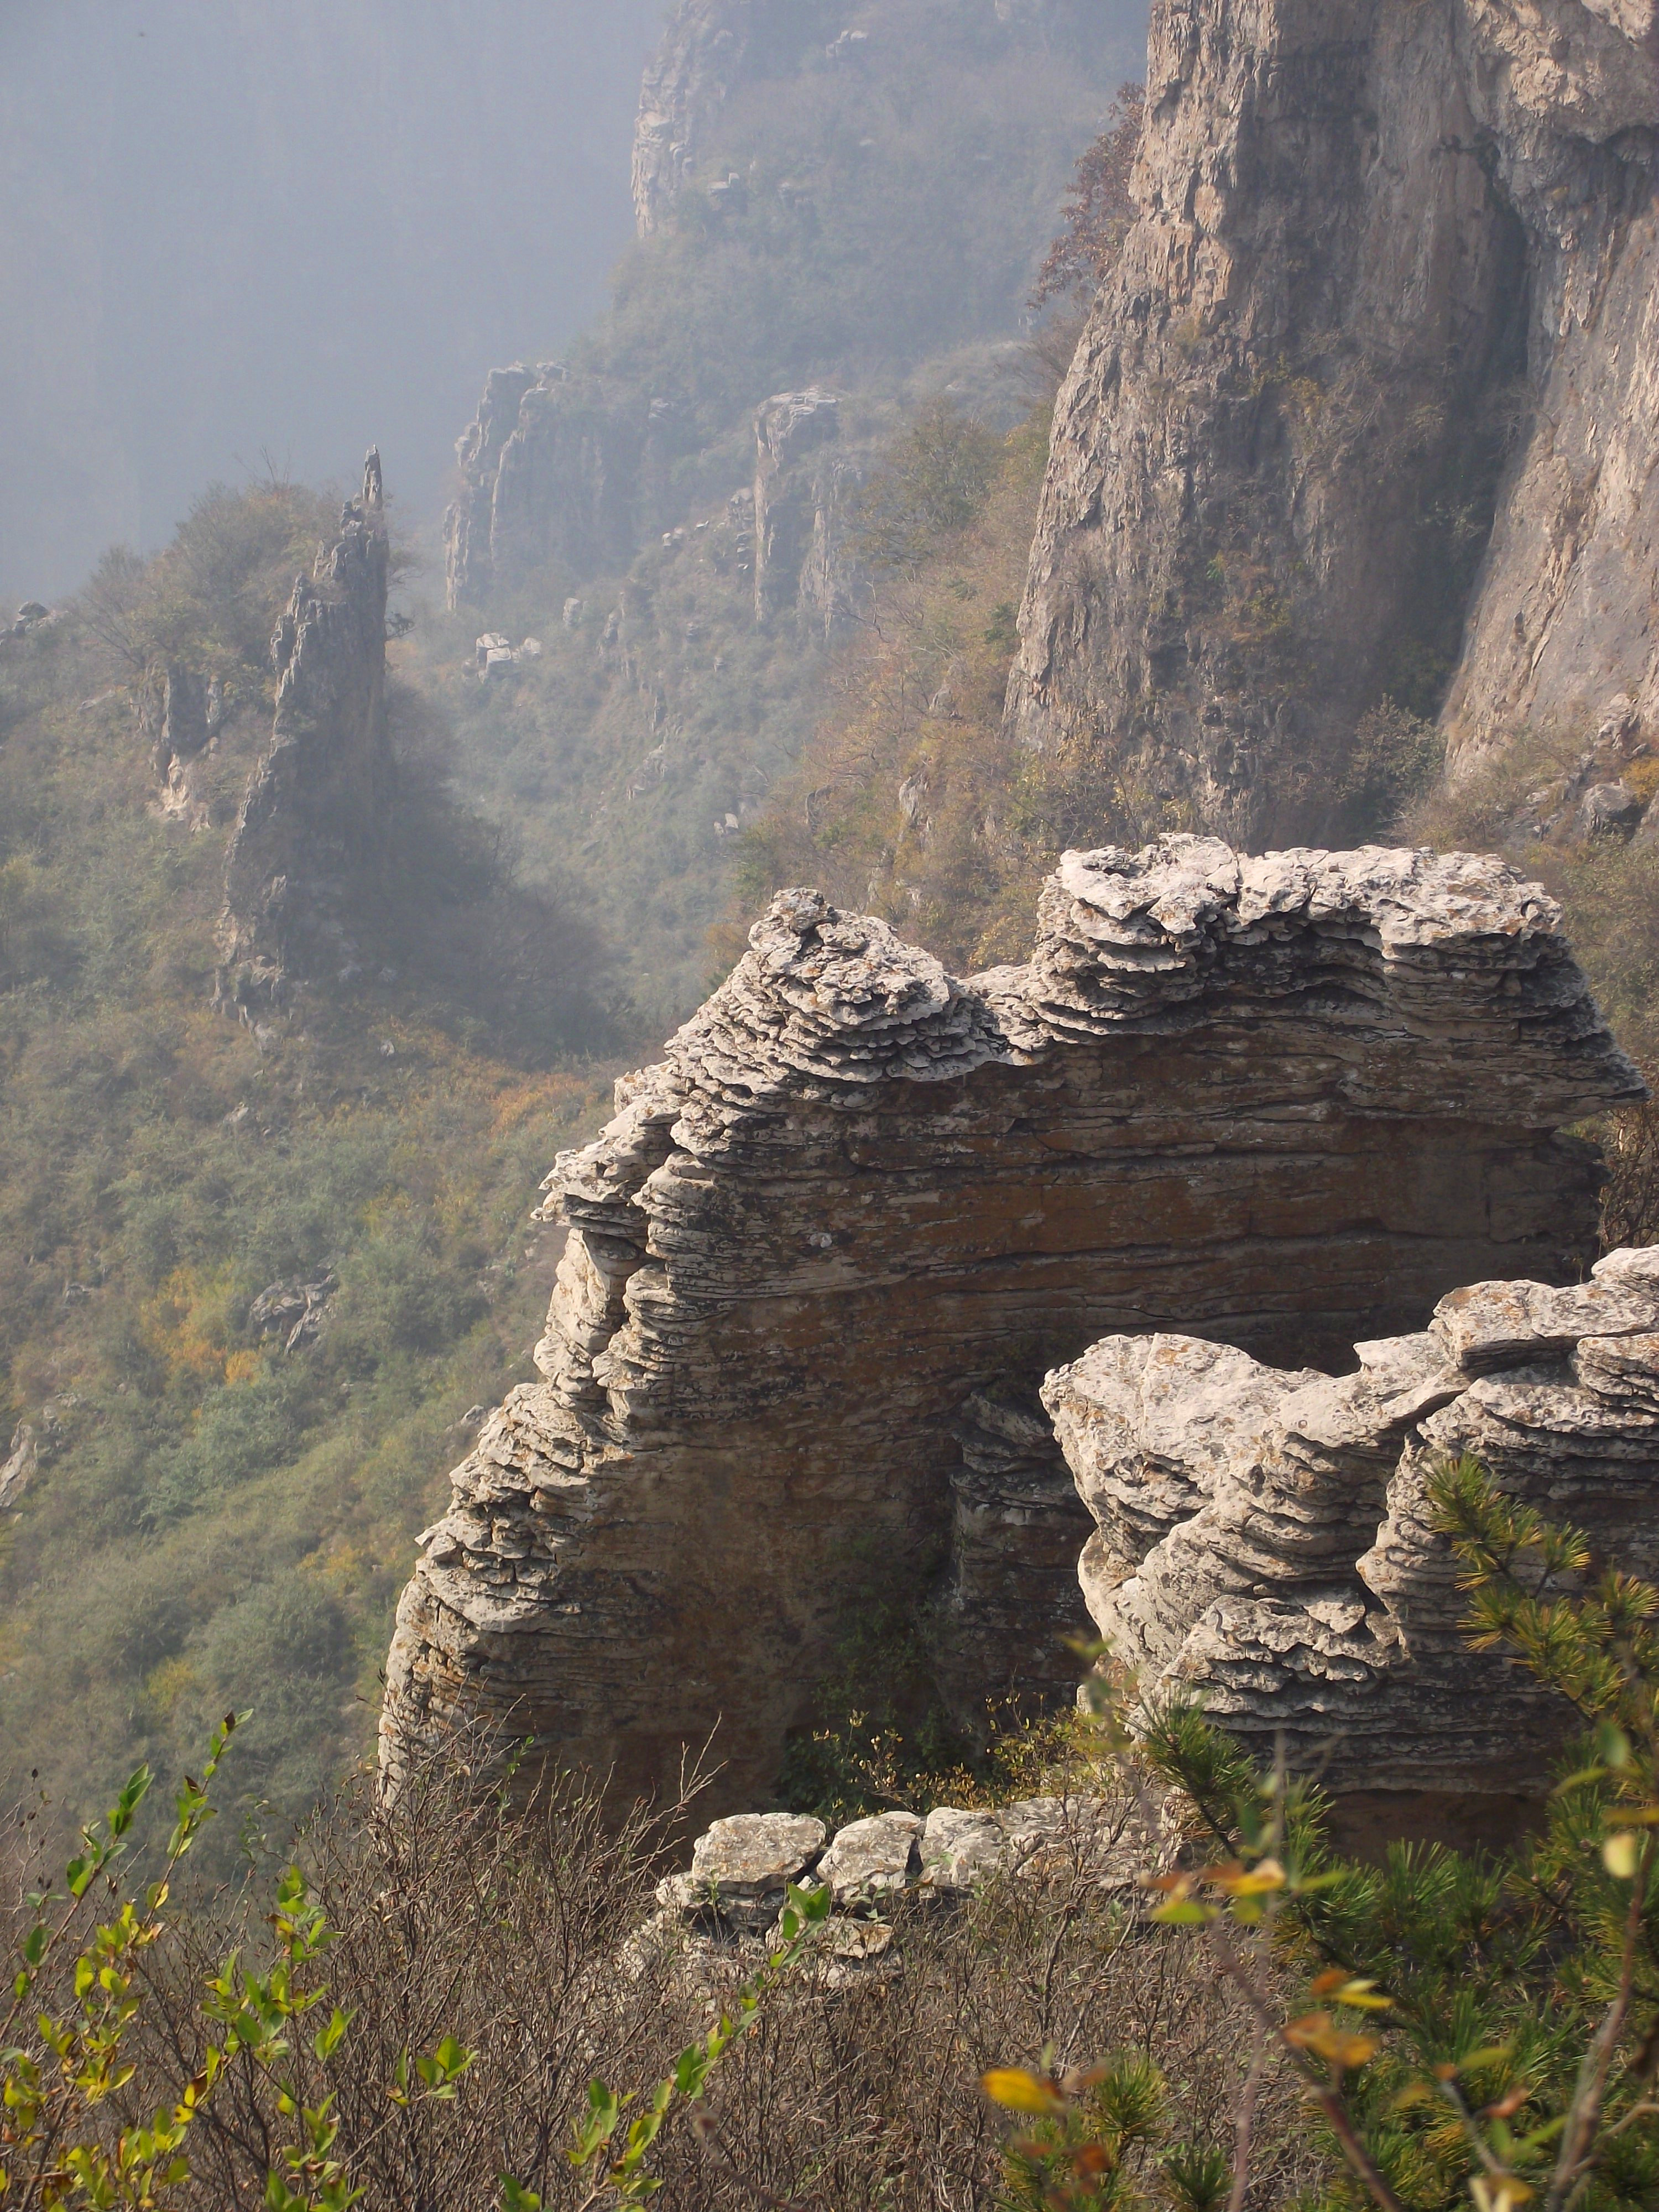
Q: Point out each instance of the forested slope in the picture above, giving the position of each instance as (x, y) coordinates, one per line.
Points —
(210, 1494)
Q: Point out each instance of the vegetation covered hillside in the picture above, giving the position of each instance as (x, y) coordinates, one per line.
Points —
(254, 1275)
(251, 1279)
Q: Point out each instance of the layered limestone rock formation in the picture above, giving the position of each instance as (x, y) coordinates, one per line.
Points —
(1395, 270)
(1264, 1538)
(1286, 1101)
(313, 817)
(1010, 1609)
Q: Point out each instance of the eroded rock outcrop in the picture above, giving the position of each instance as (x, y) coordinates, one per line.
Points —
(1395, 271)
(1286, 1101)
(804, 487)
(553, 468)
(741, 1869)
(565, 469)
(1264, 1538)
(313, 816)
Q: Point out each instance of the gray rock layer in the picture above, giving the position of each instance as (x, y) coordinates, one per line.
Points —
(1263, 1538)
(1393, 263)
(1286, 1101)
(571, 470)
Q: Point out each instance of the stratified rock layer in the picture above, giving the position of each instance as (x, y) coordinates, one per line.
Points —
(1264, 1538)
(1286, 1101)
(314, 813)
(1395, 271)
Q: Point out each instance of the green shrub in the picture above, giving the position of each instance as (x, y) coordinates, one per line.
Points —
(1458, 2026)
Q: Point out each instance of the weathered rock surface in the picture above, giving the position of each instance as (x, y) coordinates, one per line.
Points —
(1396, 269)
(567, 469)
(1286, 1101)
(803, 489)
(709, 48)
(745, 1865)
(874, 1857)
(293, 1310)
(554, 468)
(313, 815)
(1010, 1605)
(1263, 1537)
(741, 1869)
(17, 1471)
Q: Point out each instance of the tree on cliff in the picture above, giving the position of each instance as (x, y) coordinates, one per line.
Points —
(1098, 210)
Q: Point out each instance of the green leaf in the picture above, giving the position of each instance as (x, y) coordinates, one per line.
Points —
(1612, 1744)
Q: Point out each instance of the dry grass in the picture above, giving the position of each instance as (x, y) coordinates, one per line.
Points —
(507, 1930)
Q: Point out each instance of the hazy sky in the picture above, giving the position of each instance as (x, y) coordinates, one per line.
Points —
(294, 225)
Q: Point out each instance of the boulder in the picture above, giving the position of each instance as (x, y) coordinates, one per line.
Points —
(1610, 810)
(871, 1857)
(745, 1865)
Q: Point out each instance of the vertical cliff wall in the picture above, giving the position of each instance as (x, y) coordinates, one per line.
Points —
(826, 194)
(313, 815)
(1393, 276)
(862, 1206)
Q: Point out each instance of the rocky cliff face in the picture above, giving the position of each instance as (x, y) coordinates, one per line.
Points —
(313, 814)
(572, 471)
(708, 49)
(552, 468)
(711, 48)
(810, 228)
(804, 481)
(862, 1204)
(1394, 275)
(1264, 1538)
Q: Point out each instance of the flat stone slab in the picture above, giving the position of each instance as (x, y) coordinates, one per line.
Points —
(746, 1863)
(871, 1857)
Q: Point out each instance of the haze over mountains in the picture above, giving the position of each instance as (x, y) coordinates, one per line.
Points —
(182, 294)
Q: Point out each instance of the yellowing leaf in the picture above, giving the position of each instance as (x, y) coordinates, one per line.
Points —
(1619, 1855)
(1361, 1993)
(1258, 1881)
(1498, 2193)
(1315, 2033)
(1182, 1912)
(1016, 2091)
